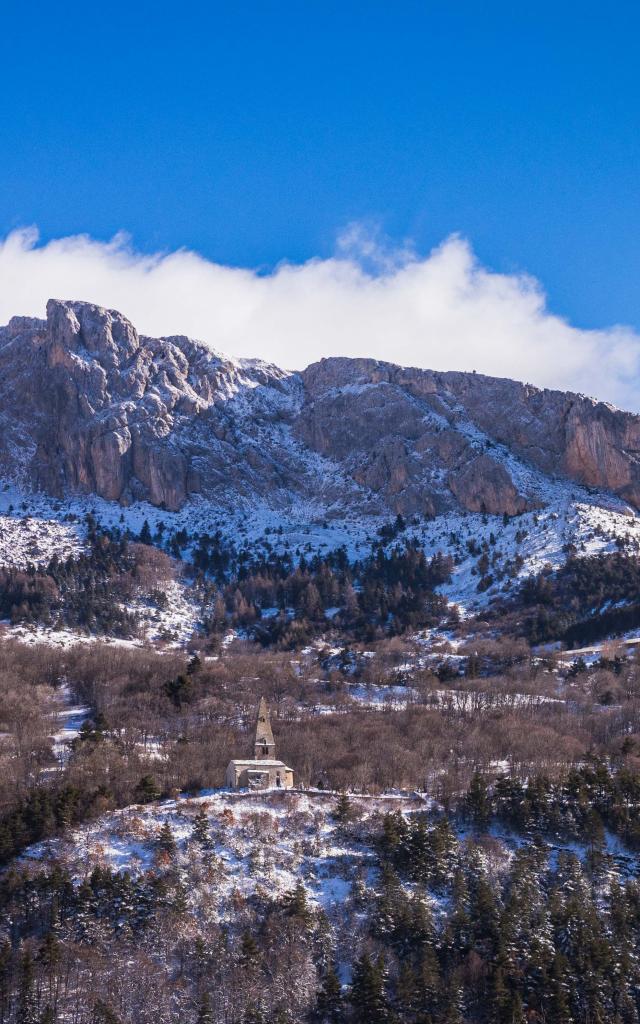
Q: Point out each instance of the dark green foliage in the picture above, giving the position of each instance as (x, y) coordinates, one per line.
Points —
(83, 593)
(166, 840)
(574, 603)
(343, 811)
(205, 1012)
(478, 805)
(147, 790)
(200, 833)
(329, 1003)
(180, 691)
(43, 813)
(297, 904)
(103, 1014)
(368, 996)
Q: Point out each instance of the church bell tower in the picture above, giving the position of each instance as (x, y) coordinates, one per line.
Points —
(265, 746)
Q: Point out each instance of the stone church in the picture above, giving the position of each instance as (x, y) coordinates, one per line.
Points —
(263, 771)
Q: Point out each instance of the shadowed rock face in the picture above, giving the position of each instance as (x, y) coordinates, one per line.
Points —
(89, 406)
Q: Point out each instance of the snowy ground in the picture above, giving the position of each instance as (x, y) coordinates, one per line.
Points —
(34, 541)
(69, 721)
(263, 841)
(174, 624)
(260, 843)
(592, 522)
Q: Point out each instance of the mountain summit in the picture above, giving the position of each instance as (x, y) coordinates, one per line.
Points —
(89, 406)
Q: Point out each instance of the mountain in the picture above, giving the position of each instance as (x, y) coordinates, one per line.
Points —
(89, 406)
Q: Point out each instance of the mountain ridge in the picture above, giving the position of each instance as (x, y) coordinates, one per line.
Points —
(90, 406)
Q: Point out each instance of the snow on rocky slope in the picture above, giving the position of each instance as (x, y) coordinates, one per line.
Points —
(89, 406)
(569, 518)
(504, 477)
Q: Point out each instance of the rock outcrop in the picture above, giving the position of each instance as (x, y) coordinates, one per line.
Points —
(90, 406)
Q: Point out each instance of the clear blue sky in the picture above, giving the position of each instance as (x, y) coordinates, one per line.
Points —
(254, 131)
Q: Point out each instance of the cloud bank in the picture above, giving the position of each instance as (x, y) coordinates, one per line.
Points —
(444, 311)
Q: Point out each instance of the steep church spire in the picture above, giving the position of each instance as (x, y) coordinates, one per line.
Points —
(265, 744)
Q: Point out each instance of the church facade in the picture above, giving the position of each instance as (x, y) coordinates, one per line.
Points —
(263, 771)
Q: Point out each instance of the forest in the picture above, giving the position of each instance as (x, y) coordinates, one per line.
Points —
(502, 886)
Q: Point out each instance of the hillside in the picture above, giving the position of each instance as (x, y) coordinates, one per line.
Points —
(400, 562)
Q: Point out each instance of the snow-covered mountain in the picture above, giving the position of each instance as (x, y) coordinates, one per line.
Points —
(90, 407)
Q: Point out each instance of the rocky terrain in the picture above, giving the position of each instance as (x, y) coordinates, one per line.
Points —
(89, 406)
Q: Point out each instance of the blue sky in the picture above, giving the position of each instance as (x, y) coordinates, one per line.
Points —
(255, 132)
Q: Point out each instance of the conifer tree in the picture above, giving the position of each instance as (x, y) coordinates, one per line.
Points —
(297, 904)
(103, 1014)
(429, 982)
(452, 1008)
(200, 833)
(248, 949)
(146, 790)
(343, 811)
(407, 990)
(329, 1005)
(166, 840)
(367, 996)
(478, 802)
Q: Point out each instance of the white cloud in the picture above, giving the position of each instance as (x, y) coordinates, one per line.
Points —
(443, 311)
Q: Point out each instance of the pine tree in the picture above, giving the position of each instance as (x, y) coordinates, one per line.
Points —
(595, 837)
(200, 833)
(147, 790)
(248, 949)
(329, 999)
(103, 1014)
(558, 1004)
(367, 996)
(444, 845)
(388, 903)
(484, 914)
(420, 854)
(27, 1011)
(459, 921)
(478, 802)
(407, 990)
(429, 981)
(297, 904)
(452, 1008)
(343, 811)
(166, 840)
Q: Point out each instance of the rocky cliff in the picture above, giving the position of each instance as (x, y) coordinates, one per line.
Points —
(90, 406)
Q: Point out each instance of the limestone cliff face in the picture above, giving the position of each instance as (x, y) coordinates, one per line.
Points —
(100, 409)
(456, 429)
(90, 406)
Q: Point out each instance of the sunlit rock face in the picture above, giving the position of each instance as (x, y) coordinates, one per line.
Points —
(89, 406)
